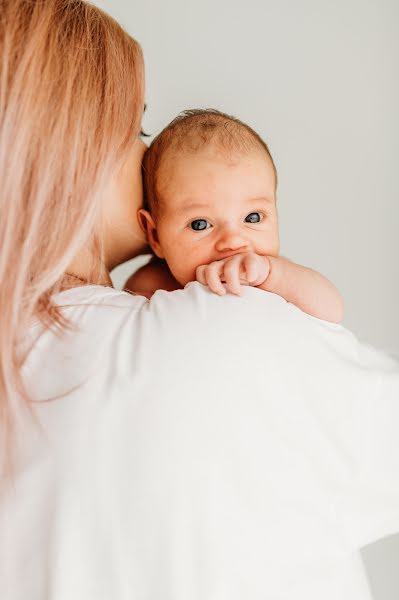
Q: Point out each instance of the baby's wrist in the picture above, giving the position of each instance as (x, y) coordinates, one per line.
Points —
(263, 272)
(270, 284)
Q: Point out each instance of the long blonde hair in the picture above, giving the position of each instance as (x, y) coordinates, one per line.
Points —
(71, 101)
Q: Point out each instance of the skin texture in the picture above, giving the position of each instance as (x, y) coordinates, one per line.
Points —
(122, 234)
(120, 230)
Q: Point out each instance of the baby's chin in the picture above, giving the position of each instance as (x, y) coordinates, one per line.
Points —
(185, 280)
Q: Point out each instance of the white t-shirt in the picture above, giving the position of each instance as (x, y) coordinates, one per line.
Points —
(205, 448)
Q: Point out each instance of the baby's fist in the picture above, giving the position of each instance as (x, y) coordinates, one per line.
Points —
(256, 267)
(244, 268)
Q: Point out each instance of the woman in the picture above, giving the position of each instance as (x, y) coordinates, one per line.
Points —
(71, 75)
(188, 447)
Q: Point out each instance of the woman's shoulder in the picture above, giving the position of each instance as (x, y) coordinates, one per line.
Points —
(195, 317)
(194, 300)
(97, 295)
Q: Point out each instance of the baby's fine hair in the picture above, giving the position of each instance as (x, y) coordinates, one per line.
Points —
(190, 131)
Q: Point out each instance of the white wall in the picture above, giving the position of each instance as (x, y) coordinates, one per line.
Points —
(319, 81)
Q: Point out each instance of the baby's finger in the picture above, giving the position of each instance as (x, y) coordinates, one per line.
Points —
(263, 270)
(200, 274)
(232, 274)
(212, 274)
(250, 263)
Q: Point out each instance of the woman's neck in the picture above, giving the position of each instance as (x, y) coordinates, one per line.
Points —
(85, 271)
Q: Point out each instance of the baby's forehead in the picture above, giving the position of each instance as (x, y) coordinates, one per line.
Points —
(211, 173)
(178, 160)
(168, 162)
(194, 149)
(220, 141)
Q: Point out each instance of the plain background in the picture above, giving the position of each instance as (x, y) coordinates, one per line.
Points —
(319, 82)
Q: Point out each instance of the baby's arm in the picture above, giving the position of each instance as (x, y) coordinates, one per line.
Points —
(309, 290)
(153, 276)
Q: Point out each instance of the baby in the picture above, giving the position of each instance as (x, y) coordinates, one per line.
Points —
(210, 215)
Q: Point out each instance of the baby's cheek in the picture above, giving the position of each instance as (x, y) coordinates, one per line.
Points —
(182, 272)
(188, 275)
(182, 264)
(270, 246)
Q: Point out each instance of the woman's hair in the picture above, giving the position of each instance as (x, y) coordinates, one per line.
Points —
(189, 132)
(71, 102)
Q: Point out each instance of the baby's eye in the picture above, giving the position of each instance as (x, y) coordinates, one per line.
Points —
(253, 217)
(199, 224)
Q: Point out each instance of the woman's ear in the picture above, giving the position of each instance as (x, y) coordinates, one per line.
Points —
(148, 226)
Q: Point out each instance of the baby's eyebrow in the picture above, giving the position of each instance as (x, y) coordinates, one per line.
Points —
(201, 206)
(264, 199)
(192, 206)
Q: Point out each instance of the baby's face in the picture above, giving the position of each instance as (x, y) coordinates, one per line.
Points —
(214, 207)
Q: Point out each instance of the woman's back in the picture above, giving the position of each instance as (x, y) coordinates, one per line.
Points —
(213, 448)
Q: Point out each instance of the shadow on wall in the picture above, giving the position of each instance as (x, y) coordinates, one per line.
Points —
(382, 561)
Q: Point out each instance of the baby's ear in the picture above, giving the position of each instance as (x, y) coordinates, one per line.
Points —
(148, 226)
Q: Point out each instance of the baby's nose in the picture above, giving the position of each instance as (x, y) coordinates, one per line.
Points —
(232, 240)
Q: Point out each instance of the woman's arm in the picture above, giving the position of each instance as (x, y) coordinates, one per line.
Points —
(309, 290)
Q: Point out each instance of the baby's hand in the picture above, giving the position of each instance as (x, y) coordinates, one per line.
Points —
(246, 268)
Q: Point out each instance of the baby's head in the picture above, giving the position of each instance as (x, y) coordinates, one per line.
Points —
(210, 192)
